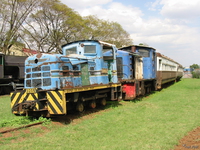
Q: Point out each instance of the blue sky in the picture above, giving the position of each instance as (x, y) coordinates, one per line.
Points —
(172, 27)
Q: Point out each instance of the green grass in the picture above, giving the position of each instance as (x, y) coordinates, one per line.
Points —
(5, 111)
(7, 119)
(156, 122)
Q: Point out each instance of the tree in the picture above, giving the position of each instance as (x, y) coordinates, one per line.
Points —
(194, 66)
(45, 25)
(13, 14)
(51, 26)
(195, 71)
(107, 31)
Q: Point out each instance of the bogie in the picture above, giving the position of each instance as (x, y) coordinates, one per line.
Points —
(80, 107)
(92, 104)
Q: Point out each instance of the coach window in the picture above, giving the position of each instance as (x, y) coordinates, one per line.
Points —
(160, 64)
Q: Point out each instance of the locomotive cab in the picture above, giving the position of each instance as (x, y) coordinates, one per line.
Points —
(102, 69)
(144, 68)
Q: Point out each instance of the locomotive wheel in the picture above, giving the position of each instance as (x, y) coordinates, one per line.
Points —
(103, 102)
(148, 90)
(143, 91)
(80, 107)
(92, 104)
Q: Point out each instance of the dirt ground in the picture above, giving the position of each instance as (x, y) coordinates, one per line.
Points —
(190, 141)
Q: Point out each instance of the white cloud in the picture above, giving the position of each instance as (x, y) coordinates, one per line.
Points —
(178, 42)
(178, 9)
(124, 15)
(82, 4)
(168, 35)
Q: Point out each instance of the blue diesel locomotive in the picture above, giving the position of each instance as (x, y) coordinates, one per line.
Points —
(89, 72)
(56, 83)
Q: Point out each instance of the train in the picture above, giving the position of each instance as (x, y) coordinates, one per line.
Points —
(11, 73)
(89, 73)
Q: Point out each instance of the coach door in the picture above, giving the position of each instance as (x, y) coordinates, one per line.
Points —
(85, 74)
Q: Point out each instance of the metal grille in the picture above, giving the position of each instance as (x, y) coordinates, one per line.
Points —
(38, 76)
(119, 67)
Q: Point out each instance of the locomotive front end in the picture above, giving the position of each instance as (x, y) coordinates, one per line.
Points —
(40, 95)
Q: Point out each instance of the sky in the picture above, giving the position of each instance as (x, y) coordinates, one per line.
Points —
(172, 27)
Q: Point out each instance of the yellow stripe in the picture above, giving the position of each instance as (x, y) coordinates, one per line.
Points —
(55, 107)
(57, 97)
(88, 88)
(37, 106)
(53, 104)
(15, 99)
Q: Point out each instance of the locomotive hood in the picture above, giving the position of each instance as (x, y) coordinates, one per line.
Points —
(74, 59)
(41, 58)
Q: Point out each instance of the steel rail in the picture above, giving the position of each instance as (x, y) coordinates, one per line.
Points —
(25, 126)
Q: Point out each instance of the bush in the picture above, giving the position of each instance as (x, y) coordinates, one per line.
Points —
(196, 74)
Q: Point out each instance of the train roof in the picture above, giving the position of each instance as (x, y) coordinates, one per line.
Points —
(163, 56)
(98, 41)
(142, 46)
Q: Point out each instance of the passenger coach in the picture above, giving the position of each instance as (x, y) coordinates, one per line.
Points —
(168, 70)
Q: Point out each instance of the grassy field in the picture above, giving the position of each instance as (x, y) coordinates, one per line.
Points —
(154, 122)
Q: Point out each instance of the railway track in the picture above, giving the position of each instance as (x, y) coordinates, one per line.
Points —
(25, 126)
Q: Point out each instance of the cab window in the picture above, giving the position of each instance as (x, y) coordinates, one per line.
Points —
(90, 49)
(72, 50)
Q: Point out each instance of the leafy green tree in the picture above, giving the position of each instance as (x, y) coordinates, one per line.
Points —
(195, 71)
(45, 25)
(194, 66)
(50, 26)
(13, 14)
(107, 31)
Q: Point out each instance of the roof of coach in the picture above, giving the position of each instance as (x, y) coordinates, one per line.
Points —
(100, 42)
(163, 56)
(142, 46)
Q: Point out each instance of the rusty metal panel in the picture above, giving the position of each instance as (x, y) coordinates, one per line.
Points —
(159, 79)
(168, 75)
(138, 68)
(130, 90)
